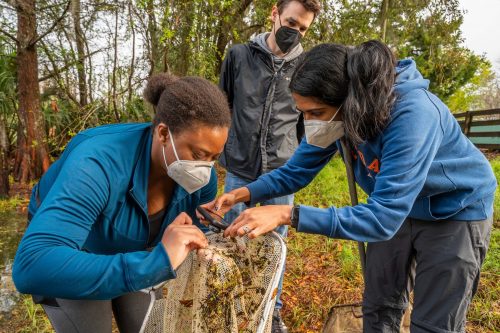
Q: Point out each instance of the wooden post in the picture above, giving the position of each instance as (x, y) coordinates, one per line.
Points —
(468, 121)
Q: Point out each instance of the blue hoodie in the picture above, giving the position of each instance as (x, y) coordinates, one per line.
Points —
(421, 166)
(89, 232)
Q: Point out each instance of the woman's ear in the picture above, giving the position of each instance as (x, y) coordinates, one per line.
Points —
(162, 133)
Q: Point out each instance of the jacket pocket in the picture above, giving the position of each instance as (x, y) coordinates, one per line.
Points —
(437, 181)
(231, 141)
(288, 145)
(442, 206)
(229, 149)
(442, 201)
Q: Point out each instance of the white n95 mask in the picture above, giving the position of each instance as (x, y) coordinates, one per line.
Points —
(191, 175)
(321, 133)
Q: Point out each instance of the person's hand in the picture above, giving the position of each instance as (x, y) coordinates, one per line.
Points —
(259, 220)
(221, 205)
(225, 202)
(181, 237)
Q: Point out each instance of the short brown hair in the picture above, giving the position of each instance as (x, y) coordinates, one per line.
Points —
(310, 5)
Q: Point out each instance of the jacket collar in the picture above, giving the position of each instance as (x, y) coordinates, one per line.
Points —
(259, 43)
(138, 189)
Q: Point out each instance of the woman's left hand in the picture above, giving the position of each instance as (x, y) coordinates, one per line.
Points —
(259, 220)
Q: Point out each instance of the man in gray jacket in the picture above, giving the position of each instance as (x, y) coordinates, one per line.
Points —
(266, 127)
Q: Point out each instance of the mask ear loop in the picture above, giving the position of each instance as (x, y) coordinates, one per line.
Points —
(164, 158)
(173, 147)
(274, 25)
(340, 107)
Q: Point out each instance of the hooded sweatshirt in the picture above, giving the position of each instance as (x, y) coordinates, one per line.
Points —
(421, 166)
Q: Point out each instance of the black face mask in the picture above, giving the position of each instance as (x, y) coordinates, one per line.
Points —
(287, 38)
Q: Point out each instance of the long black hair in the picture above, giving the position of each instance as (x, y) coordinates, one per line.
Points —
(359, 79)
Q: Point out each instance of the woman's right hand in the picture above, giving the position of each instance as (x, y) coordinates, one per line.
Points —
(182, 237)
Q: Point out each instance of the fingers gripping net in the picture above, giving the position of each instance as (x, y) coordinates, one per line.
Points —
(228, 287)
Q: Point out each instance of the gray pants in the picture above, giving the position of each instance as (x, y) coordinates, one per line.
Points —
(89, 316)
(440, 261)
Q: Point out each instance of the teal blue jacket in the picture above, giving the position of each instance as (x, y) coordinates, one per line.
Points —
(89, 228)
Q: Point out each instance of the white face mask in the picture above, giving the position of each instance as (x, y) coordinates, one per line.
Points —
(321, 133)
(191, 175)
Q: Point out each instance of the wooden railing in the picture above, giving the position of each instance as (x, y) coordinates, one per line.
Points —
(481, 127)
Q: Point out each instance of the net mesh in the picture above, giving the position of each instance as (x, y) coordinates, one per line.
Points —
(229, 287)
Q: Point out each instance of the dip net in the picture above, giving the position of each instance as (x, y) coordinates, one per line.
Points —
(229, 287)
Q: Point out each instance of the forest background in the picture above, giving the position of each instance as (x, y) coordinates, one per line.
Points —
(70, 65)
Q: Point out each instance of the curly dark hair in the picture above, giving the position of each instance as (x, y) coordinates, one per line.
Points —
(310, 5)
(185, 102)
(360, 79)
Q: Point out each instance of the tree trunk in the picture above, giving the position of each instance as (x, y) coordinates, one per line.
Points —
(183, 63)
(132, 60)
(89, 80)
(32, 146)
(4, 160)
(224, 30)
(383, 17)
(115, 65)
(80, 51)
(154, 54)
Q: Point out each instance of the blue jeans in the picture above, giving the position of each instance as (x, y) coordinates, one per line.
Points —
(233, 182)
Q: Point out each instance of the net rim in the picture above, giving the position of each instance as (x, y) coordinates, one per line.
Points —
(269, 303)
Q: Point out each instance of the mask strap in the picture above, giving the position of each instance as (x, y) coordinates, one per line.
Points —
(274, 25)
(340, 107)
(173, 147)
(164, 158)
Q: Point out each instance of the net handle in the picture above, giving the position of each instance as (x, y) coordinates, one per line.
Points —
(354, 196)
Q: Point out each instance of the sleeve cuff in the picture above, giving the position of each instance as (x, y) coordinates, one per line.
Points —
(168, 270)
(259, 191)
(320, 221)
(146, 269)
